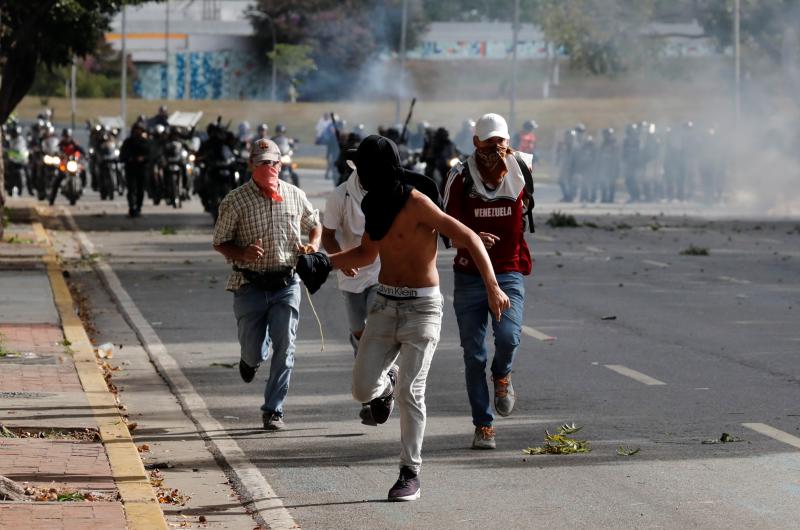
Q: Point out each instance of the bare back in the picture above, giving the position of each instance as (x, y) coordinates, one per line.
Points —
(408, 250)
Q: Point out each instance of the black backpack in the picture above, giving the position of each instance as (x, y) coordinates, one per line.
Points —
(526, 173)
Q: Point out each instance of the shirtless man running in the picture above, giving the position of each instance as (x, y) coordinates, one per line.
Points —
(402, 222)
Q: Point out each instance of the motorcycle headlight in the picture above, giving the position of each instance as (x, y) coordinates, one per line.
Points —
(72, 166)
(454, 162)
(191, 158)
(51, 160)
(286, 159)
(116, 152)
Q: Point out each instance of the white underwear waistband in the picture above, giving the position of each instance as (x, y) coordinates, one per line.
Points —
(401, 293)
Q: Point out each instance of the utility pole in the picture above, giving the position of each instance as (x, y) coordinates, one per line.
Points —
(737, 53)
(123, 89)
(513, 100)
(73, 102)
(401, 84)
(165, 90)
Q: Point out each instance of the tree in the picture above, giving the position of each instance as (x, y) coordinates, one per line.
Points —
(46, 32)
(292, 61)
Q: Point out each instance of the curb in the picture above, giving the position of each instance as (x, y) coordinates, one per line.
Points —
(142, 509)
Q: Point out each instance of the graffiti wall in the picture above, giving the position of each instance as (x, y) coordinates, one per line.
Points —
(204, 75)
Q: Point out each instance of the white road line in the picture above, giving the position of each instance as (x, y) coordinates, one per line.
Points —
(733, 280)
(536, 334)
(774, 433)
(594, 249)
(258, 496)
(658, 264)
(633, 374)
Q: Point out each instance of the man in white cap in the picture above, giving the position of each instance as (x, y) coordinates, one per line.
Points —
(258, 231)
(491, 193)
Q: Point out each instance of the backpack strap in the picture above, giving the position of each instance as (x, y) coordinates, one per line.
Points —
(526, 173)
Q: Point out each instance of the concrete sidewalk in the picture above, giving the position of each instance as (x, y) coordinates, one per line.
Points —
(63, 436)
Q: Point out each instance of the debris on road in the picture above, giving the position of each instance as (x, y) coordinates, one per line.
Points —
(168, 231)
(105, 350)
(610, 317)
(695, 251)
(624, 451)
(562, 220)
(724, 439)
(224, 365)
(560, 443)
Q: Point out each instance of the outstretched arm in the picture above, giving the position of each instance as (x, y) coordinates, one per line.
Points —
(356, 257)
(462, 237)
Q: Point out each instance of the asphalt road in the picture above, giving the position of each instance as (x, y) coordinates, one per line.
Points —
(697, 346)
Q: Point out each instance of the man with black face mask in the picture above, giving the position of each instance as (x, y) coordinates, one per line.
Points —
(488, 194)
(401, 224)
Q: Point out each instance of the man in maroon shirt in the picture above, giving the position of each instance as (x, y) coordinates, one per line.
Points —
(487, 193)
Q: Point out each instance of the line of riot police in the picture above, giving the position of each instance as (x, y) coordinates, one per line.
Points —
(652, 162)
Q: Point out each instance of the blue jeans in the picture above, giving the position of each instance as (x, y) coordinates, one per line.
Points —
(471, 306)
(276, 313)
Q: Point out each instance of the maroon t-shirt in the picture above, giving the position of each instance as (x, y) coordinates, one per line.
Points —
(502, 217)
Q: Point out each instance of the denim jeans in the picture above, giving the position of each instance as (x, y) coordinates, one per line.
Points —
(471, 306)
(358, 305)
(265, 317)
(406, 331)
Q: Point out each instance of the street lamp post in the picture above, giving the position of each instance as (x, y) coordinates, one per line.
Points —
(514, 67)
(737, 53)
(274, 57)
(166, 53)
(123, 89)
(403, 37)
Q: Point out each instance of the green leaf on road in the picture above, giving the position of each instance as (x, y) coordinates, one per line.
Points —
(569, 428)
(560, 444)
(624, 451)
(70, 496)
(168, 231)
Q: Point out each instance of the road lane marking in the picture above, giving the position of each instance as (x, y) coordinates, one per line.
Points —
(733, 280)
(659, 264)
(594, 249)
(774, 433)
(536, 334)
(633, 374)
(258, 497)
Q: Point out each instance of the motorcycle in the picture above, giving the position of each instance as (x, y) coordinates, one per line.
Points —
(47, 170)
(16, 166)
(70, 170)
(110, 174)
(175, 171)
(219, 176)
(288, 173)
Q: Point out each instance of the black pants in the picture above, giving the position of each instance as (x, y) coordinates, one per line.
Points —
(135, 175)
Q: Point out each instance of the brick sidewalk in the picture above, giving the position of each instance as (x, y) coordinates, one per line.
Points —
(40, 390)
(61, 516)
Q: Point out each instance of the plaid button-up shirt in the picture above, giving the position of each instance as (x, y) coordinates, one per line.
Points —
(246, 216)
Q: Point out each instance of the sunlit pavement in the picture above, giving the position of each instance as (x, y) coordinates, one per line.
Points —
(642, 346)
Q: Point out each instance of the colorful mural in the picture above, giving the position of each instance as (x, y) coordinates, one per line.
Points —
(205, 75)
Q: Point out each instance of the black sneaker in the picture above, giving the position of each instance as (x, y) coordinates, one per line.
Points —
(407, 486)
(381, 407)
(366, 415)
(273, 421)
(246, 371)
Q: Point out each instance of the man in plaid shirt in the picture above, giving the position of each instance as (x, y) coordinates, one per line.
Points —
(259, 232)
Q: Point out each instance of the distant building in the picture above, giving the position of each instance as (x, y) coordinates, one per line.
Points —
(212, 54)
(209, 44)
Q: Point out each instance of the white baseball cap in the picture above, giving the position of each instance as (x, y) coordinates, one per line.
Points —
(491, 125)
